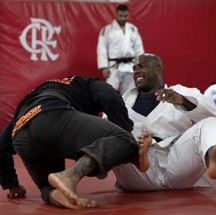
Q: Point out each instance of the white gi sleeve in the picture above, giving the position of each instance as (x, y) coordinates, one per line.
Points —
(138, 45)
(102, 50)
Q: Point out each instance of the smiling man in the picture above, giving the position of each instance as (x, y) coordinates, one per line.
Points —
(181, 121)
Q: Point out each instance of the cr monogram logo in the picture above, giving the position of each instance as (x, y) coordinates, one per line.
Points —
(41, 33)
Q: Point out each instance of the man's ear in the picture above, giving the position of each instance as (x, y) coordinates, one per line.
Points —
(159, 70)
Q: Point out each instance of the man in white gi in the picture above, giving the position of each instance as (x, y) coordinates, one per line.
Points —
(118, 44)
(182, 123)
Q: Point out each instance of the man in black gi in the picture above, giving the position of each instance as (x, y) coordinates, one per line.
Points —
(58, 120)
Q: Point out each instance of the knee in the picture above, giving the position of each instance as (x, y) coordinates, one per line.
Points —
(207, 125)
(209, 121)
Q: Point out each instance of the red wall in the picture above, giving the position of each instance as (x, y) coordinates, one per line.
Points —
(182, 32)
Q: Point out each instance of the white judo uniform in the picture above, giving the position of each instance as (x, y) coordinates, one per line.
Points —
(113, 44)
(173, 165)
(211, 92)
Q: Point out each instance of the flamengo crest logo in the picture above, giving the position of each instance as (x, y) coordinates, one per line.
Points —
(41, 33)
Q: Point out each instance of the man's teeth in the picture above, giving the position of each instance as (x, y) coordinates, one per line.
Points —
(139, 78)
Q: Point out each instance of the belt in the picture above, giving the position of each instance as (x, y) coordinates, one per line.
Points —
(122, 60)
(175, 139)
(25, 118)
(158, 139)
(35, 110)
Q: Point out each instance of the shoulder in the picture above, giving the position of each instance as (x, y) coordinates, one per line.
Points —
(106, 29)
(132, 27)
(211, 91)
(211, 88)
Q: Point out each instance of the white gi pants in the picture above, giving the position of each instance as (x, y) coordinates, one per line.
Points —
(177, 166)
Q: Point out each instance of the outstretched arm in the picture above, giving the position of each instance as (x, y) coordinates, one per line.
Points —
(111, 103)
(170, 96)
(8, 176)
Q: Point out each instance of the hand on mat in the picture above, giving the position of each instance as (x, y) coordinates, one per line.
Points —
(17, 192)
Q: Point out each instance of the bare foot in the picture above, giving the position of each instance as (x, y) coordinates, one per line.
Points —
(212, 163)
(64, 183)
(144, 143)
(87, 203)
(61, 201)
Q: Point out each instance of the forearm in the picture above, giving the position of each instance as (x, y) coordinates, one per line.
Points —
(113, 104)
(188, 105)
(8, 176)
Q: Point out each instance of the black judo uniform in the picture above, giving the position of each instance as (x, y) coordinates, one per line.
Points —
(60, 119)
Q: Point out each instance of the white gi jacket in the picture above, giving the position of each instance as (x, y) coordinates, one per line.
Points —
(113, 43)
(177, 166)
(210, 92)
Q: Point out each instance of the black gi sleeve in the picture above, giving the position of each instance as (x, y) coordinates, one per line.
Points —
(8, 176)
(112, 104)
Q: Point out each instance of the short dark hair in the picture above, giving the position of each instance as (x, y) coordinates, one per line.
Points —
(122, 7)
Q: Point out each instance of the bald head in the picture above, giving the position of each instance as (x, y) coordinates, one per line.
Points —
(153, 59)
(148, 69)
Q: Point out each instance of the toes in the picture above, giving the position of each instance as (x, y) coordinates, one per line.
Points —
(85, 203)
(93, 204)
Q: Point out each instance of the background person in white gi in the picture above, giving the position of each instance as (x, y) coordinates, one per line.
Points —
(182, 122)
(211, 91)
(118, 44)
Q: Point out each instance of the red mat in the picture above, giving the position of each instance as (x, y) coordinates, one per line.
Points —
(197, 201)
